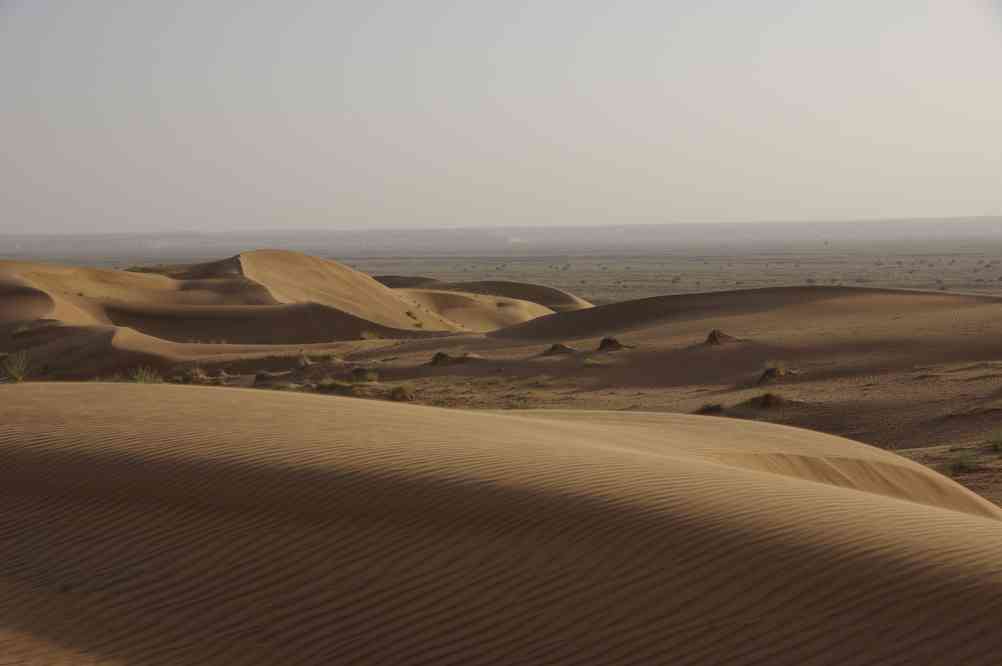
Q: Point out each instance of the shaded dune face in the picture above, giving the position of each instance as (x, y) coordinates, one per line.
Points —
(188, 525)
(20, 303)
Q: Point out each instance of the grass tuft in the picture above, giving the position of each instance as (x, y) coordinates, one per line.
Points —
(16, 366)
(146, 375)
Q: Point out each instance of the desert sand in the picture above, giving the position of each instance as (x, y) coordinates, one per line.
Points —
(538, 507)
(176, 524)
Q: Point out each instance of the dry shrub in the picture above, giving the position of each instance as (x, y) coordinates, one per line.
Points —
(16, 366)
(402, 394)
(146, 375)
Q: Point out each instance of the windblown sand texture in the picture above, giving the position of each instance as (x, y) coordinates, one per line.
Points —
(191, 525)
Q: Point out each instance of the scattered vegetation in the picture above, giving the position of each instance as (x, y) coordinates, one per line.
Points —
(559, 349)
(402, 394)
(773, 371)
(718, 337)
(16, 366)
(195, 375)
(610, 345)
(144, 374)
(329, 385)
(995, 442)
(364, 375)
(766, 401)
(963, 465)
(444, 358)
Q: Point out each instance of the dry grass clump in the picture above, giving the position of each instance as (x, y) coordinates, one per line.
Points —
(337, 387)
(16, 366)
(402, 394)
(144, 374)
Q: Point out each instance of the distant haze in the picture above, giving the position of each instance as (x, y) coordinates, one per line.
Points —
(233, 115)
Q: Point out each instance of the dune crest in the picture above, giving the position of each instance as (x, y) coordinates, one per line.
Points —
(196, 525)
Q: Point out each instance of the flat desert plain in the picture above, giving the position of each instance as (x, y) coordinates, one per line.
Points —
(279, 458)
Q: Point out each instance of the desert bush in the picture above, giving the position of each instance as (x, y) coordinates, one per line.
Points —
(610, 344)
(963, 465)
(995, 442)
(402, 394)
(772, 371)
(146, 375)
(16, 366)
(711, 408)
(195, 375)
(766, 401)
(329, 385)
(364, 375)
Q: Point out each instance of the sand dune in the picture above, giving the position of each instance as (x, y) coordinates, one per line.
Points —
(646, 312)
(188, 525)
(549, 297)
(256, 298)
(261, 297)
(476, 312)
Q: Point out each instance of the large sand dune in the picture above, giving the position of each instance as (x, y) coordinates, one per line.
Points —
(264, 297)
(187, 525)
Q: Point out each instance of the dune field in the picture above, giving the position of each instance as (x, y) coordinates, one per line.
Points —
(670, 480)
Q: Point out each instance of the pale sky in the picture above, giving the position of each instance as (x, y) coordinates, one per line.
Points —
(152, 115)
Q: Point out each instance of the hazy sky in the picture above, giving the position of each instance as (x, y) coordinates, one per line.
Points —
(240, 114)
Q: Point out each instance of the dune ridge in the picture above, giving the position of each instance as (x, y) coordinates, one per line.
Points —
(167, 524)
(549, 297)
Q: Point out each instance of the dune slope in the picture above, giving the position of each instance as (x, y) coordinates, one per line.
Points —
(187, 525)
(476, 312)
(549, 297)
(645, 312)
